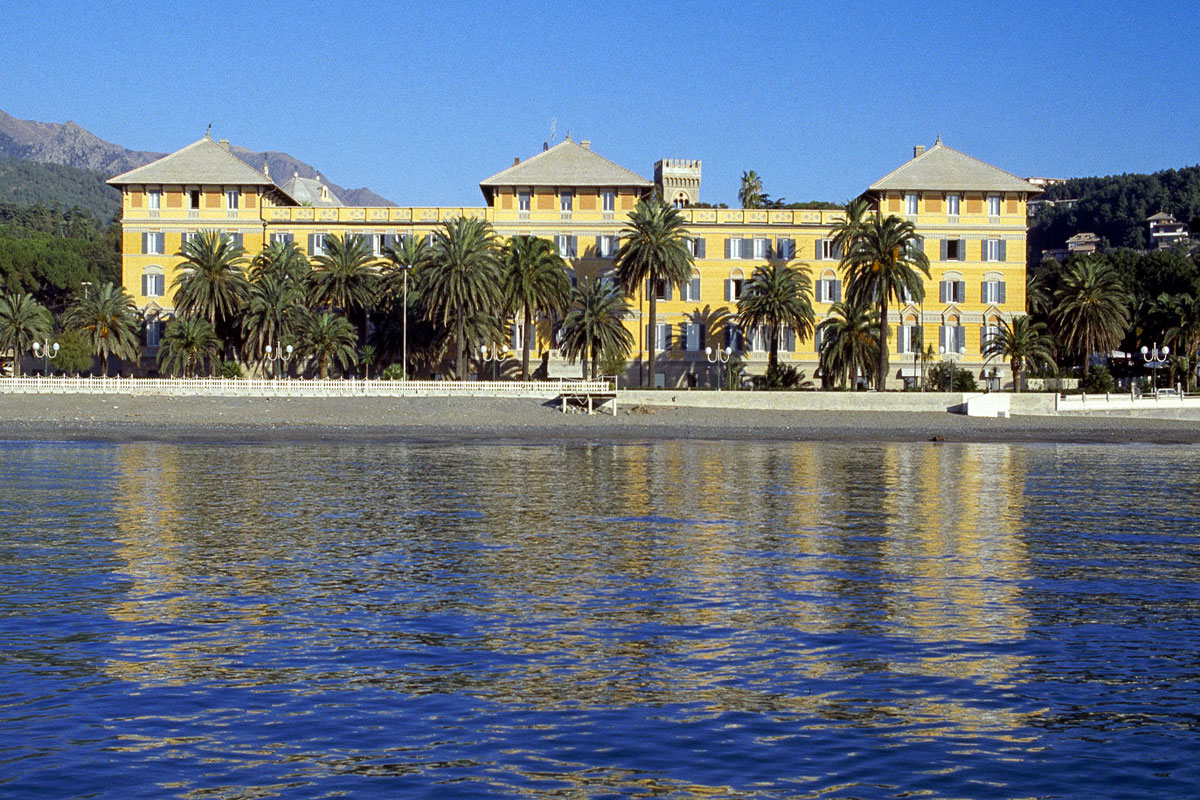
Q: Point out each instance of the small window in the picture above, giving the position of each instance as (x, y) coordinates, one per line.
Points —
(193, 198)
(566, 202)
(952, 205)
(318, 244)
(608, 200)
(153, 332)
(910, 204)
(522, 201)
(987, 334)
(735, 247)
(282, 238)
(954, 249)
(691, 289)
(232, 198)
(154, 199)
(993, 205)
(760, 248)
(154, 244)
(661, 290)
(991, 250)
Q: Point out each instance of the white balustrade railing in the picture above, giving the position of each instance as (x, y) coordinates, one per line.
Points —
(298, 387)
(1125, 401)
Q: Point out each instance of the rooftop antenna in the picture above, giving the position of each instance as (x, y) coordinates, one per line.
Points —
(553, 125)
(208, 131)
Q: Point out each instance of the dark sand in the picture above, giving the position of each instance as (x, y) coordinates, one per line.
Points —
(194, 419)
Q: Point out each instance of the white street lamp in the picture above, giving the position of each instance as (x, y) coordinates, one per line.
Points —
(282, 356)
(47, 351)
(721, 356)
(1154, 357)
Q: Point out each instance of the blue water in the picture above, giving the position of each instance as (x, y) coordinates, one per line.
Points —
(670, 620)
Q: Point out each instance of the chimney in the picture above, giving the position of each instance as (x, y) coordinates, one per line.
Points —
(918, 150)
(545, 145)
(266, 168)
(224, 143)
(516, 160)
(586, 144)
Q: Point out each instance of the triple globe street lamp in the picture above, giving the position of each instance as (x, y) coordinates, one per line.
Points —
(1155, 357)
(721, 356)
(282, 355)
(47, 351)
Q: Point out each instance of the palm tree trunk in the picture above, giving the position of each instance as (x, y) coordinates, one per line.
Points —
(525, 344)
(458, 346)
(881, 378)
(587, 349)
(653, 337)
(773, 358)
(595, 360)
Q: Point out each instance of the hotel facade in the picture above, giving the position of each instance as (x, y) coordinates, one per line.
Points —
(971, 217)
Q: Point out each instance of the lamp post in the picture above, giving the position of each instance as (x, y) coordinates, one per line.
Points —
(281, 355)
(497, 354)
(85, 285)
(961, 352)
(718, 356)
(1153, 358)
(47, 351)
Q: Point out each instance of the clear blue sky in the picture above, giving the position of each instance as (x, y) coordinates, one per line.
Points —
(422, 101)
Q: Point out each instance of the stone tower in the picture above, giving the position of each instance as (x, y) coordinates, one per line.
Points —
(677, 180)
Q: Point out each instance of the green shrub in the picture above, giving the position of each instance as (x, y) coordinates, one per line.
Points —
(229, 369)
(1098, 381)
(613, 362)
(392, 372)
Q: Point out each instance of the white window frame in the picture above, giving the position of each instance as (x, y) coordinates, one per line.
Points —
(149, 283)
(524, 201)
(318, 244)
(566, 202)
(991, 249)
(759, 248)
(735, 248)
(233, 199)
(608, 201)
(988, 333)
(156, 243)
(825, 250)
(993, 205)
(911, 203)
(153, 199)
(691, 289)
(952, 205)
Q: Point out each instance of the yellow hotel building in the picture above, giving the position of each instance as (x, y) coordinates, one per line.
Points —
(972, 217)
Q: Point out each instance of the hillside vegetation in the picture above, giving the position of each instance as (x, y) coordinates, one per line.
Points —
(1115, 208)
(27, 183)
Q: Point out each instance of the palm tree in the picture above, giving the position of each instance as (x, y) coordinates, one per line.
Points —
(462, 278)
(186, 342)
(329, 337)
(777, 296)
(409, 254)
(344, 277)
(1037, 295)
(282, 261)
(210, 283)
(849, 342)
(653, 250)
(750, 193)
(1183, 310)
(854, 220)
(1091, 311)
(23, 321)
(535, 279)
(274, 312)
(109, 319)
(885, 262)
(594, 323)
(1024, 343)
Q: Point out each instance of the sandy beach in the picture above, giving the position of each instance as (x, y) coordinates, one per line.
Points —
(145, 418)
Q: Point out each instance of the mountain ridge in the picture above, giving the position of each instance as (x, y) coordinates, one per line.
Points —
(70, 144)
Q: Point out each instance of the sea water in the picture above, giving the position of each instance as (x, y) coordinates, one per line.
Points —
(667, 620)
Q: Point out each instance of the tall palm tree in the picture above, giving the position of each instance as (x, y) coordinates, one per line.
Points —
(777, 296)
(282, 261)
(750, 193)
(345, 277)
(187, 342)
(854, 220)
(210, 283)
(109, 319)
(1182, 310)
(535, 280)
(653, 250)
(1024, 343)
(1091, 311)
(23, 321)
(849, 342)
(594, 323)
(403, 257)
(329, 338)
(885, 262)
(461, 279)
(1037, 295)
(274, 313)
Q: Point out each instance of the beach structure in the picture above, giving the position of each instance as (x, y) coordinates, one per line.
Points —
(970, 215)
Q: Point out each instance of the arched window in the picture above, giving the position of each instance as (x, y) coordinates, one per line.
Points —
(733, 285)
(682, 200)
(952, 288)
(829, 288)
(153, 281)
(993, 290)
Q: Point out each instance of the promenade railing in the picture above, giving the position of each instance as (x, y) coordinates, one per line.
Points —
(299, 387)
(1126, 401)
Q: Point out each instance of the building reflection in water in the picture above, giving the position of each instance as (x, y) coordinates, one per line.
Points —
(710, 576)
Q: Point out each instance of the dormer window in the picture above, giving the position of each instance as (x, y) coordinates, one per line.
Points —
(154, 199)
(232, 199)
(608, 201)
(194, 199)
(566, 202)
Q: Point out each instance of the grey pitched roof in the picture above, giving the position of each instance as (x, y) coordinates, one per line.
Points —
(307, 192)
(568, 163)
(201, 162)
(1161, 216)
(943, 168)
